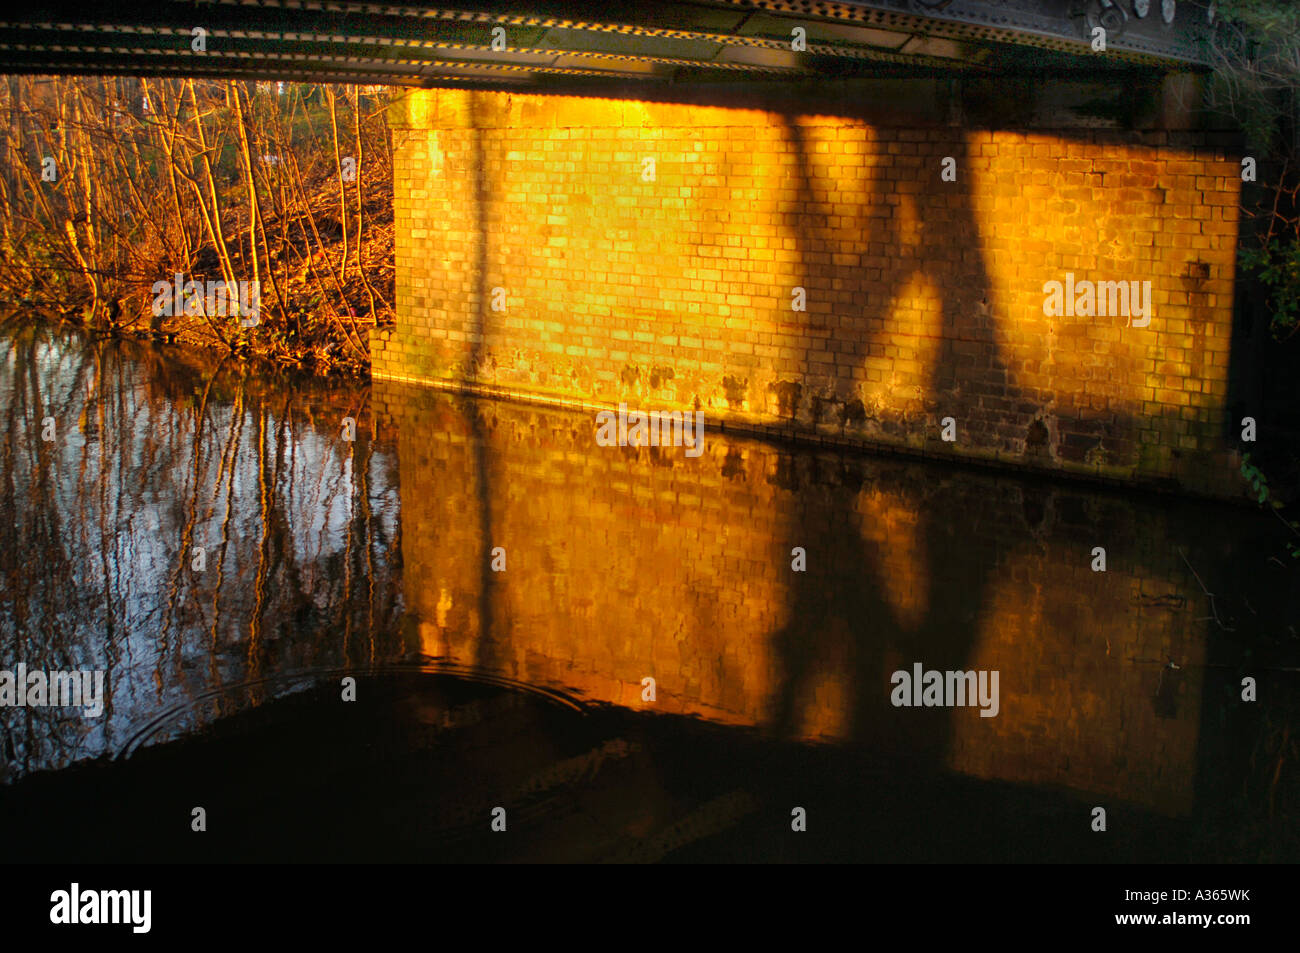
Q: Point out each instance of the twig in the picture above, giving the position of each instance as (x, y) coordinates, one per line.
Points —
(1213, 608)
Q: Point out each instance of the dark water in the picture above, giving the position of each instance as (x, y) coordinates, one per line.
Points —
(524, 689)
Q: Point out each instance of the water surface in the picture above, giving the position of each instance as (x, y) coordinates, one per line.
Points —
(373, 558)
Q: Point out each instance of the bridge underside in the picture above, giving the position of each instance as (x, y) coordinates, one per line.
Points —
(564, 44)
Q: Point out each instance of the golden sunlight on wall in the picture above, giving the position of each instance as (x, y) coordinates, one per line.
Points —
(1111, 212)
(595, 251)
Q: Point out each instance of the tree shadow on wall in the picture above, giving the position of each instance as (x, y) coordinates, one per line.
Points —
(484, 654)
(842, 614)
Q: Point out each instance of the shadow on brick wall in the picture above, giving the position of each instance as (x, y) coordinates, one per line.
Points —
(834, 617)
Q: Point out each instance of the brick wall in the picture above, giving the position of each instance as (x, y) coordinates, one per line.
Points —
(924, 297)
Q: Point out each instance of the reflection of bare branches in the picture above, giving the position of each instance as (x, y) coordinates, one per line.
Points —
(89, 524)
(187, 534)
(236, 437)
(1213, 609)
(265, 501)
(363, 487)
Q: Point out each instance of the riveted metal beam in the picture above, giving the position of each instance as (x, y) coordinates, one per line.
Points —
(550, 41)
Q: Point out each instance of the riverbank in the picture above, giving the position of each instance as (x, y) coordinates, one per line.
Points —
(282, 188)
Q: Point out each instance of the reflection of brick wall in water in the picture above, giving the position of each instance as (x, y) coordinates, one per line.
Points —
(1073, 706)
(625, 563)
(924, 297)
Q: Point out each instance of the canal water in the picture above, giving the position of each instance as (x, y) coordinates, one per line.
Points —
(471, 616)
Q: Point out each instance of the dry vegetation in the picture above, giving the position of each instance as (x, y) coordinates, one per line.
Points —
(213, 180)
